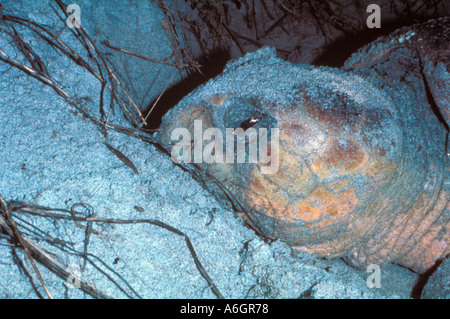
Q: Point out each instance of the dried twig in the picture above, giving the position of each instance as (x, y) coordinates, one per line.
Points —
(36, 253)
(106, 43)
(123, 158)
(89, 44)
(39, 71)
(77, 217)
(10, 226)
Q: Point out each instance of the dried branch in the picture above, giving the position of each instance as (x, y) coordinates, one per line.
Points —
(106, 43)
(72, 215)
(10, 226)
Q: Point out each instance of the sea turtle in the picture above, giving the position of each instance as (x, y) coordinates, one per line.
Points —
(362, 167)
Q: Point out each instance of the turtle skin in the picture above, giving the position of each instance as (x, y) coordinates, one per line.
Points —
(363, 162)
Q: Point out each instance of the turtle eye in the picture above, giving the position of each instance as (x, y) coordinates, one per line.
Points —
(248, 123)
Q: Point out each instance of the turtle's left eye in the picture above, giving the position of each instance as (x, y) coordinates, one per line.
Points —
(248, 123)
